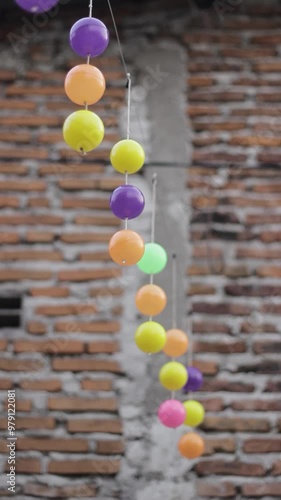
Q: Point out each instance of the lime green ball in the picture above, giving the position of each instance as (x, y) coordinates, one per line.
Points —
(173, 376)
(195, 413)
(127, 156)
(154, 259)
(150, 337)
(83, 131)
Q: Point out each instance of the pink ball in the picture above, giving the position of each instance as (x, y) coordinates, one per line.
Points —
(172, 413)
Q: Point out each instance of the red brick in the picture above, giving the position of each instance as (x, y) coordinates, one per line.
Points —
(25, 219)
(80, 405)
(39, 237)
(12, 168)
(31, 90)
(81, 275)
(107, 347)
(110, 447)
(78, 238)
(206, 367)
(26, 466)
(270, 346)
(3, 344)
(23, 274)
(52, 444)
(210, 327)
(9, 202)
(108, 184)
(5, 384)
(17, 104)
(68, 169)
(267, 445)
(66, 309)
(96, 385)
(32, 423)
(221, 467)
(21, 153)
(276, 469)
(38, 202)
(84, 467)
(90, 220)
(265, 366)
(52, 346)
(9, 238)
(85, 203)
(269, 271)
(273, 386)
(11, 255)
(56, 292)
(23, 405)
(36, 328)
(83, 327)
(106, 291)
(95, 256)
(213, 490)
(236, 424)
(219, 445)
(41, 385)
(229, 347)
(261, 490)
(226, 386)
(109, 426)
(222, 308)
(201, 289)
(21, 365)
(80, 365)
(47, 491)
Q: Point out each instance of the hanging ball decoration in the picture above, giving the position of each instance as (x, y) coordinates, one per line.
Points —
(36, 6)
(84, 84)
(173, 376)
(150, 337)
(195, 380)
(89, 37)
(83, 131)
(151, 300)
(126, 247)
(195, 413)
(154, 259)
(171, 413)
(176, 344)
(127, 202)
(127, 156)
(191, 446)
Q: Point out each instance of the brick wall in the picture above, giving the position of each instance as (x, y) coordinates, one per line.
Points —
(55, 224)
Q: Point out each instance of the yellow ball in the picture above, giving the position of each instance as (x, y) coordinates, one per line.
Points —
(173, 376)
(195, 413)
(83, 131)
(150, 337)
(127, 156)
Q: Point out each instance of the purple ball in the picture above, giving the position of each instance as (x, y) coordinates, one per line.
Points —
(195, 380)
(89, 37)
(127, 202)
(36, 6)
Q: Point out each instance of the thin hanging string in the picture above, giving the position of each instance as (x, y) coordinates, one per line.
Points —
(174, 291)
(91, 8)
(118, 38)
(123, 61)
(153, 218)
(129, 85)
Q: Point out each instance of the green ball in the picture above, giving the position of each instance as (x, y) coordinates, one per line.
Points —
(154, 259)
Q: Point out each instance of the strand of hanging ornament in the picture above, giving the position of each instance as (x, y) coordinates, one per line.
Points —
(126, 247)
(174, 376)
(36, 6)
(85, 84)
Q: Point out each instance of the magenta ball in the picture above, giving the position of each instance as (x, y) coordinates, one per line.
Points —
(36, 6)
(195, 380)
(127, 202)
(89, 37)
(172, 413)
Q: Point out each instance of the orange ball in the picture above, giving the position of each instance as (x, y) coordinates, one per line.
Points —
(151, 300)
(176, 344)
(84, 84)
(126, 247)
(191, 445)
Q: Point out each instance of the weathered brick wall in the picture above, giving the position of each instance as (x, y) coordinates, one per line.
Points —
(55, 225)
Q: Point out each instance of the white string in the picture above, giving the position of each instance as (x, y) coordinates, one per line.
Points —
(153, 218)
(118, 39)
(129, 104)
(91, 8)
(174, 291)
